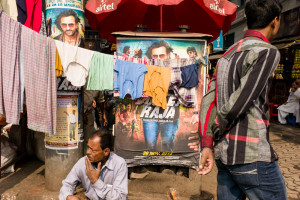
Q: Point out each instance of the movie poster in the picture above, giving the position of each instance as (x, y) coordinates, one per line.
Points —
(68, 124)
(169, 48)
(147, 134)
(65, 21)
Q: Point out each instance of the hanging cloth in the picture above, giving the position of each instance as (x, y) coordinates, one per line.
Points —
(156, 84)
(189, 75)
(129, 78)
(34, 14)
(9, 73)
(39, 57)
(186, 96)
(22, 13)
(76, 62)
(10, 8)
(58, 66)
(101, 73)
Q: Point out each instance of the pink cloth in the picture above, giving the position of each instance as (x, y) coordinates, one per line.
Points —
(144, 60)
(34, 14)
(9, 65)
(39, 57)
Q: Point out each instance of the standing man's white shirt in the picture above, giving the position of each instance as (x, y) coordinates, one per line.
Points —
(291, 106)
(72, 118)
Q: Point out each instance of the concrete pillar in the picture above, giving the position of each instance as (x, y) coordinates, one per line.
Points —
(58, 163)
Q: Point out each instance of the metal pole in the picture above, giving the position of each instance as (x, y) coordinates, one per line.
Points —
(161, 18)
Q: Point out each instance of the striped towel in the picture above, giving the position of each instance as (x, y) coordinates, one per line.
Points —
(9, 73)
(39, 56)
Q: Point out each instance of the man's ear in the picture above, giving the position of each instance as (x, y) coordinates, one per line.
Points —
(106, 151)
(275, 21)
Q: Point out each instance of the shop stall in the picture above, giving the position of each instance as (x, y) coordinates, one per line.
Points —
(147, 134)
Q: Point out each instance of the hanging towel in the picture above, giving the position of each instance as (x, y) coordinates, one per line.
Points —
(9, 73)
(129, 78)
(39, 56)
(58, 66)
(22, 13)
(101, 72)
(75, 61)
(156, 84)
(10, 8)
(34, 14)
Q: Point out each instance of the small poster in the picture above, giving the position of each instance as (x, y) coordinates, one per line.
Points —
(68, 126)
(65, 21)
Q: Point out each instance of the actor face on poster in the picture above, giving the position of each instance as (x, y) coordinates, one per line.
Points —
(68, 23)
(159, 50)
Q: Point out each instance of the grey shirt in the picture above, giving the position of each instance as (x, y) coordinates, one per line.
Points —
(112, 183)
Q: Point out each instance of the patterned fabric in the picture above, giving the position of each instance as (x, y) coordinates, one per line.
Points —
(39, 56)
(144, 61)
(186, 96)
(9, 73)
(43, 30)
(235, 110)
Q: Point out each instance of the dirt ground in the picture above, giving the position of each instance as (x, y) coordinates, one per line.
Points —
(28, 183)
(28, 180)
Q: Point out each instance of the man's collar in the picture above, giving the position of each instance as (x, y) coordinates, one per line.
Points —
(257, 34)
(109, 164)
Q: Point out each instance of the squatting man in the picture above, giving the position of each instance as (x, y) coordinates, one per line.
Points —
(103, 174)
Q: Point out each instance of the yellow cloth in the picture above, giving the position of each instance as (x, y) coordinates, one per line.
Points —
(10, 8)
(58, 67)
(156, 84)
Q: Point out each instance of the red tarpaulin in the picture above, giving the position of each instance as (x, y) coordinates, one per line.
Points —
(202, 16)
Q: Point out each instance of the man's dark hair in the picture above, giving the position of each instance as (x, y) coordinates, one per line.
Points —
(160, 43)
(66, 13)
(126, 48)
(192, 49)
(106, 139)
(260, 13)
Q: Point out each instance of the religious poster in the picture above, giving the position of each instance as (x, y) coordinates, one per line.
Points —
(65, 21)
(150, 135)
(68, 125)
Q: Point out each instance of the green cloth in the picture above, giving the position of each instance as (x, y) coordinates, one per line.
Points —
(101, 72)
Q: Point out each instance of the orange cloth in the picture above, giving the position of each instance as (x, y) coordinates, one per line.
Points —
(58, 67)
(156, 84)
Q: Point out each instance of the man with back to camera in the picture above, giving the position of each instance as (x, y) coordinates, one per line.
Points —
(159, 50)
(234, 113)
(103, 174)
(68, 23)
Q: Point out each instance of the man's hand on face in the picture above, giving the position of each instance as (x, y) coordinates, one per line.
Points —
(92, 174)
(74, 197)
(206, 162)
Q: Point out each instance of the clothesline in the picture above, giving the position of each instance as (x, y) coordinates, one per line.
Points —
(28, 59)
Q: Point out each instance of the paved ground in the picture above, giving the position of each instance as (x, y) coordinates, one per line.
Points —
(285, 139)
(28, 182)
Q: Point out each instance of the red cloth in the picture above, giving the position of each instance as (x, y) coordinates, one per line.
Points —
(34, 14)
